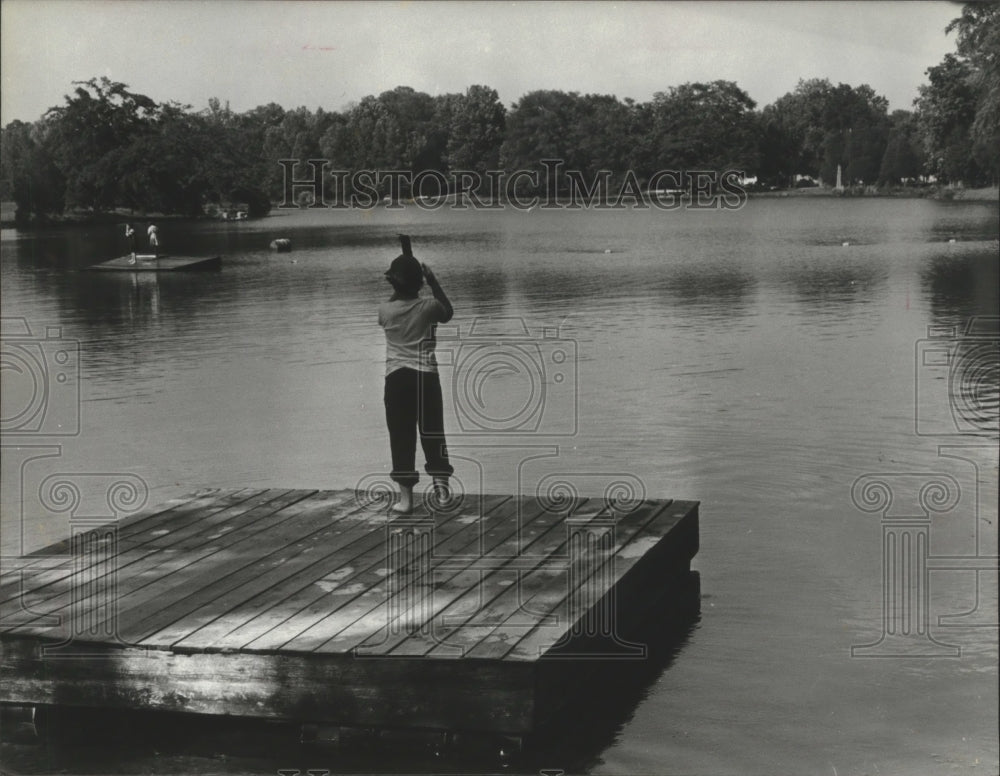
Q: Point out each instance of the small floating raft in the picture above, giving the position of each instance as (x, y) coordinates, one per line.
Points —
(147, 262)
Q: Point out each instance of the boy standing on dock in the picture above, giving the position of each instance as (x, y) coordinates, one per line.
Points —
(130, 239)
(413, 400)
(154, 239)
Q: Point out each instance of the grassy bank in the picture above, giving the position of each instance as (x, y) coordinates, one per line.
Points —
(987, 194)
(8, 212)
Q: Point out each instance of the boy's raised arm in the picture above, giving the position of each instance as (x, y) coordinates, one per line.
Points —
(439, 293)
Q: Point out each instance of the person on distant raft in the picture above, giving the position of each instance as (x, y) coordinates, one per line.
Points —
(130, 239)
(413, 399)
(154, 239)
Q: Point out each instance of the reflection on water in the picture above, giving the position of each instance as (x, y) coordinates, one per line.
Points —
(961, 282)
(748, 359)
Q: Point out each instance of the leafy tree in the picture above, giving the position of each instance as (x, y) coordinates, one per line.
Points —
(947, 108)
(903, 158)
(537, 128)
(819, 126)
(587, 134)
(476, 130)
(599, 135)
(436, 133)
(780, 147)
(796, 127)
(92, 128)
(979, 43)
(249, 131)
(29, 174)
(406, 129)
(639, 142)
(706, 126)
(865, 148)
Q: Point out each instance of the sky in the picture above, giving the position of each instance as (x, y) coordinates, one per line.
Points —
(330, 54)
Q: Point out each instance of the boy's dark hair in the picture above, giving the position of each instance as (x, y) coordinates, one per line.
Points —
(405, 274)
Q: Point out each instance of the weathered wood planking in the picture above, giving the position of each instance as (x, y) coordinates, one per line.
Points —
(393, 693)
(153, 554)
(321, 606)
(56, 556)
(138, 538)
(149, 263)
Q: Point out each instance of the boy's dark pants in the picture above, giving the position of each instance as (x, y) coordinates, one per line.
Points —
(413, 402)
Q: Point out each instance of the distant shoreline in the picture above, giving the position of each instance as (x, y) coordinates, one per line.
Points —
(986, 194)
(8, 210)
(943, 193)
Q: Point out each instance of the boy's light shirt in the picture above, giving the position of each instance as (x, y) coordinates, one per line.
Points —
(409, 333)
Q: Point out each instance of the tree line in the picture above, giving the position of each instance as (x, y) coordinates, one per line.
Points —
(108, 147)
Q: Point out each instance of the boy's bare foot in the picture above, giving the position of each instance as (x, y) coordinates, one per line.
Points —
(405, 504)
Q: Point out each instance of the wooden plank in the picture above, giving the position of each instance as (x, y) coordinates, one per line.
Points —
(630, 550)
(663, 572)
(509, 546)
(155, 560)
(322, 562)
(143, 522)
(147, 539)
(273, 603)
(367, 578)
(213, 612)
(137, 533)
(153, 535)
(163, 263)
(365, 610)
(320, 688)
(125, 524)
(275, 555)
(543, 590)
(362, 532)
(365, 589)
(511, 605)
(25, 564)
(154, 548)
(495, 595)
(206, 568)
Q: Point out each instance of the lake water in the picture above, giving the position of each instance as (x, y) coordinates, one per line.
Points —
(760, 361)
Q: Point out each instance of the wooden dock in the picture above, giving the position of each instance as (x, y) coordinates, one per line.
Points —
(147, 262)
(320, 606)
